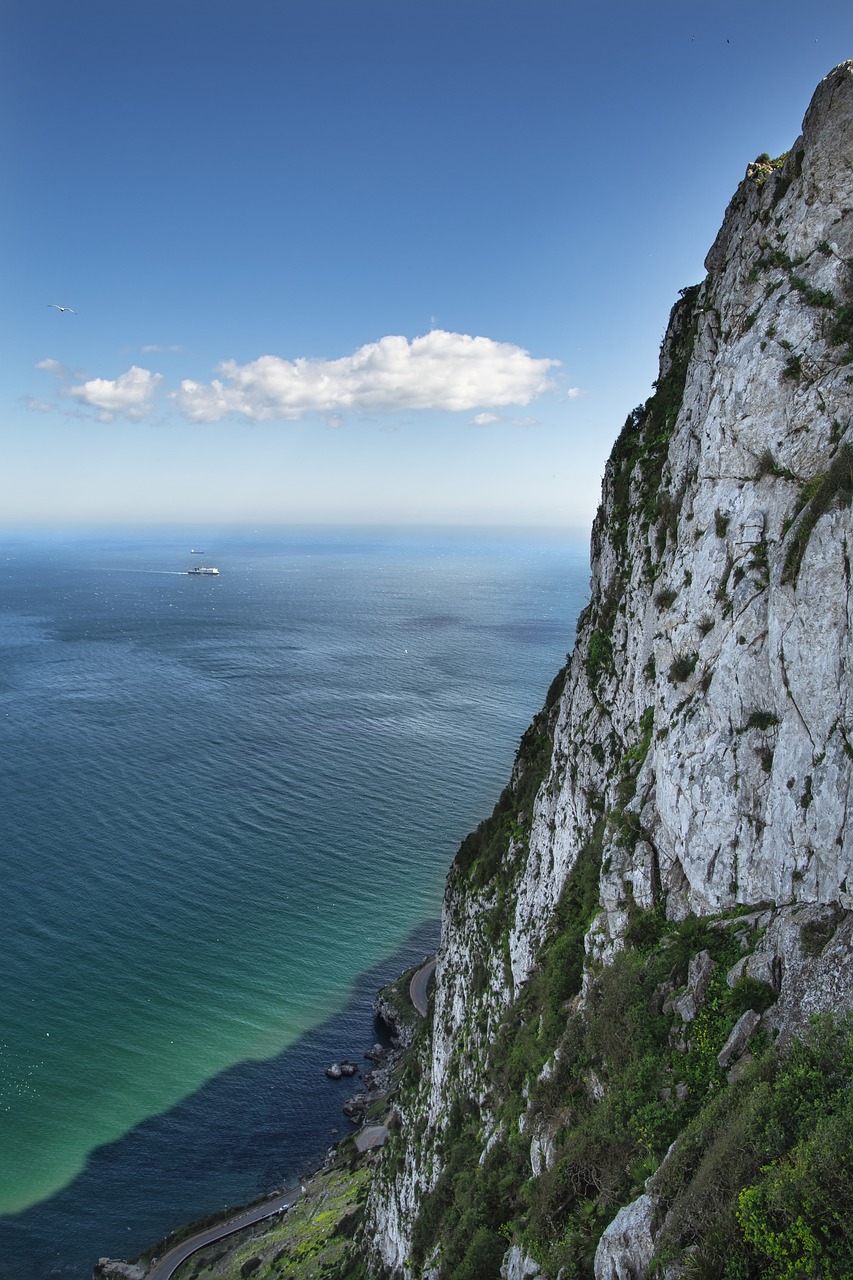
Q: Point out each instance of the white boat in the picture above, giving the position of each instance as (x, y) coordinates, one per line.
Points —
(210, 572)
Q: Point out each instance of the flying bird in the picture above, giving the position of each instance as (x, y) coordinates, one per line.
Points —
(59, 308)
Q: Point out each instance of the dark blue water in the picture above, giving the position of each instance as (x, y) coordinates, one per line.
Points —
(225, 799)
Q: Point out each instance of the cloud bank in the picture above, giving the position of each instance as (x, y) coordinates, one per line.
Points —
(450, 371)
(445, 371)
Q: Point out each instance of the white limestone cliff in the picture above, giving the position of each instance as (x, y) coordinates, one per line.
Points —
(706, 717)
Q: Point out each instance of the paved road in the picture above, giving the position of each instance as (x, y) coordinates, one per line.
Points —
(371, 1136)
(170, 1261)
(418, 986)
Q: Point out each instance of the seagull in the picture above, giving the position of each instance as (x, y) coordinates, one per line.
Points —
(59, 308)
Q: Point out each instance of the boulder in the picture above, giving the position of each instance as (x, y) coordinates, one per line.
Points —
(742, 1033)
(699, 975)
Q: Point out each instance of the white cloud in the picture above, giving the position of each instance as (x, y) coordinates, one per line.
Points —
(52, 366)
(525, 422)
(40, 406)
(485, 419)
(131, 394)
(573, 393)
(450, 371)
(157, 347)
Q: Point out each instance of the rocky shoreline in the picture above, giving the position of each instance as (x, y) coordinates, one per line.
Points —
(378, 1082)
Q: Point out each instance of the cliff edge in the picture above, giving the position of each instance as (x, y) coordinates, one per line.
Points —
(663, 901)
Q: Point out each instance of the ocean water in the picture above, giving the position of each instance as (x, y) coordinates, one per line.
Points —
(229, 805)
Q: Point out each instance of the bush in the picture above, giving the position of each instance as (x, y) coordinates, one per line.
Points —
(483, 1257)
(841, 333)
(762, 720)
(817, 933)
(683, 667)
(760, 1184)
(793, 370)
(599, 659)
(798, 1216)
(834, 488)
(752, 993)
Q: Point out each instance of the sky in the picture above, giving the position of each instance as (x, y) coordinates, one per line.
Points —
(374, 262)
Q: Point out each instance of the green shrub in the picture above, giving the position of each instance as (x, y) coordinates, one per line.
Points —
(841, 333)
(834, 488)
(799, 1216)
(683, 667)
(599, 659)
(762, 720)
(760, 1183)
(793, 370)
(752, 993)
(815, 934)
(483, 1257)
(814, 297)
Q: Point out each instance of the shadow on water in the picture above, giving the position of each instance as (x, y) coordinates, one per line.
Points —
(251, 1129)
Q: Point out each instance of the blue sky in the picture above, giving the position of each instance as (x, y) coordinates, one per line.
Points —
(361, 262)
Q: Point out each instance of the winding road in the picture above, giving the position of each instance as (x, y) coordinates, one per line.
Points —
(418, 986)
(170, 1261)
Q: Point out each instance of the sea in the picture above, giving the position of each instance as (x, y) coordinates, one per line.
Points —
(229, 804)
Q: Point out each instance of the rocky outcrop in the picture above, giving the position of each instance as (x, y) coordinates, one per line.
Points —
(700, 746)
(518, 1266)
(106, 1269)
(627, 1245)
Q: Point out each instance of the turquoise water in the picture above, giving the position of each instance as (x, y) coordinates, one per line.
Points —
(224, 800)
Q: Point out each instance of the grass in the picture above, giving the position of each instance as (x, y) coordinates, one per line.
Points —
(313, 1238)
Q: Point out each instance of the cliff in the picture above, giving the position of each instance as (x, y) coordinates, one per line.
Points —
(662, 899)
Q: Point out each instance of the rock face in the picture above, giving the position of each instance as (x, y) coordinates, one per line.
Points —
(703, 734)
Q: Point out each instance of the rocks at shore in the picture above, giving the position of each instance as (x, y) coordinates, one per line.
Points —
(377, 1085)
(107, 1269)
(338, 1070)
(391, 1008)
